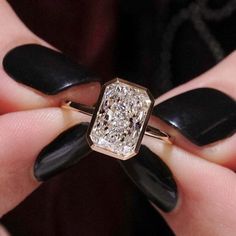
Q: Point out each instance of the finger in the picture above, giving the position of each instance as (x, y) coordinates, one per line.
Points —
(34, 75)
(23, 135)
(221, 76)
(203, 119)
(206, 193)
(3, 231)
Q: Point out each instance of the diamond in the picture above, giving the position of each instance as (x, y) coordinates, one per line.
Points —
(120, 119)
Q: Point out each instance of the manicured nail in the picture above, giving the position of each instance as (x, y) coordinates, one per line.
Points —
(153, 178)
(202, 115)
(44, 69)
(65, 151)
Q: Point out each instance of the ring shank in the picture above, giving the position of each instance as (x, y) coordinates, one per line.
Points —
(89, 110)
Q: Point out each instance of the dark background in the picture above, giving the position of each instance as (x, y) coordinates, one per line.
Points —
(157, 43)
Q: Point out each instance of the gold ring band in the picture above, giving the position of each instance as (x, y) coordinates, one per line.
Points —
(114, 105)
(89, 110)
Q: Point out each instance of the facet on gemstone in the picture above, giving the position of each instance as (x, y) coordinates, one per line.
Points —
(120, 119)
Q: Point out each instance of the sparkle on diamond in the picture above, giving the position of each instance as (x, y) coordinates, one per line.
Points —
(120, 118)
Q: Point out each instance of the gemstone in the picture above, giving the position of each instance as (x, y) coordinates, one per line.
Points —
(120, 119)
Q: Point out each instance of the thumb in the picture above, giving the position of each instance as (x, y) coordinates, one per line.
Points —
(206, 193)
(23, 135)
(3, 231)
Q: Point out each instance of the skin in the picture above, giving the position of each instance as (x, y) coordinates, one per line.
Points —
(204, 176)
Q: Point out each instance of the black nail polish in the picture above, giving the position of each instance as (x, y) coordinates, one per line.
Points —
(65, 151)
(44, 69)
(202, 115)
(153, 178)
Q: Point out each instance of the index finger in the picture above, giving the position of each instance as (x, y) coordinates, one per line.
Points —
(34, 74)
(201, 114)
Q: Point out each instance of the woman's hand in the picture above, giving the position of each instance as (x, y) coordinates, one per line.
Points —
(204, 175)
(205, 202)
(29, 118)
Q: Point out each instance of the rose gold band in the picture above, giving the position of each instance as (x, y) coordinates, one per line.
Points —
(89, 110)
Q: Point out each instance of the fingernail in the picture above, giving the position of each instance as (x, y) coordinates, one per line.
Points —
(153, 178)
(63, 152)
(202, 115)
(44, 69)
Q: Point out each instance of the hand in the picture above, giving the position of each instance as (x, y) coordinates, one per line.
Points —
(30, 119)
(204, 204)
(198, 198)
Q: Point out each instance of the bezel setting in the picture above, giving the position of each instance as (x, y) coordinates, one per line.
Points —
(120, 119)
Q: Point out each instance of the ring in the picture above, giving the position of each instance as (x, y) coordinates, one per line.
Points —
(120, 119)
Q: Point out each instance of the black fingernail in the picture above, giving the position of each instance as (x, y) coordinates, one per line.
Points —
(65, 151)
(44, 69)
(202, 115)
(153, 178)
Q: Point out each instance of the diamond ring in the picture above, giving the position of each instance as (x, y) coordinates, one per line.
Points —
(120, 119)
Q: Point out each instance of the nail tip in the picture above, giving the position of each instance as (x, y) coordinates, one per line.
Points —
(202, 115)
(38, 171)
(166, 209)
(44, 69)
(64, 151)
(153, 178)
(38, 177)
